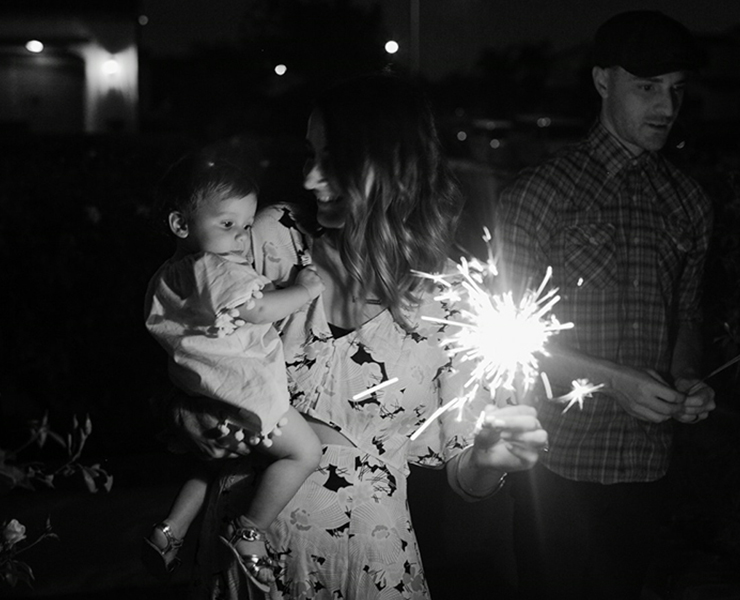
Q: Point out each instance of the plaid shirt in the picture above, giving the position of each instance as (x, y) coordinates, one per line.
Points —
(626, 237)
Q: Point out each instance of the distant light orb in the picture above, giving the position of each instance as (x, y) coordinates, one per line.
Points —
(143, 20)
(544, 122)
(111, 67)
(281, 69)
(495, 143)
(34, 46)
(462, 136)
(391, 47)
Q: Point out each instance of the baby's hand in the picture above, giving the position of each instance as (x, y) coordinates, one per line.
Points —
(310, 279)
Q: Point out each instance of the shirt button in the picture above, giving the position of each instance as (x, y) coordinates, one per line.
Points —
(635, 325)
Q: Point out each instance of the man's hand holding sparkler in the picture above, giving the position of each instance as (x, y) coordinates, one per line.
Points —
(698, 403)
(509, 439)
(644, 394)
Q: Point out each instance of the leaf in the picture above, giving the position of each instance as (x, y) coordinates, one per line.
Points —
(89, 480)
(24, 570)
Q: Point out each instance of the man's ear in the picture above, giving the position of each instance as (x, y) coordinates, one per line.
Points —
(178, 224)
(601, 80)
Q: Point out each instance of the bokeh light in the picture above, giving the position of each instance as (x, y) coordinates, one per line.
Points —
(34, 46)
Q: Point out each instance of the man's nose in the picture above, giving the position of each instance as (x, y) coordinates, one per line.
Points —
(668, 104)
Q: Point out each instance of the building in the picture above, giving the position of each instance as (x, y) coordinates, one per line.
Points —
(69, 67)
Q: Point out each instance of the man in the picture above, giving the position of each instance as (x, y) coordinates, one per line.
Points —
(626, 234)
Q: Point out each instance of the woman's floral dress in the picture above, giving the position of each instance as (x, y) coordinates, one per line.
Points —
(347, 533)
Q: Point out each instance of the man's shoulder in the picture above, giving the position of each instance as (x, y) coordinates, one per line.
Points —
(676, 172)
(555, 171)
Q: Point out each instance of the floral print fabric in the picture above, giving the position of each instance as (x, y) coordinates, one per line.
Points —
(347, 533)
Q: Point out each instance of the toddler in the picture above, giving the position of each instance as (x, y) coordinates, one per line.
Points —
(213, 314)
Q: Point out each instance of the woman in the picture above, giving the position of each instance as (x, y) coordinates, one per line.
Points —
(386, 207)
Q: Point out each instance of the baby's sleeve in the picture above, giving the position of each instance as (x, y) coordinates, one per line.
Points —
(225, 282)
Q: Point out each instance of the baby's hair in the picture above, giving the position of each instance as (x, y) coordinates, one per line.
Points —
(196, 177)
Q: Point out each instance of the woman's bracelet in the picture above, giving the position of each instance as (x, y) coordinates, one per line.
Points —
(473, 494)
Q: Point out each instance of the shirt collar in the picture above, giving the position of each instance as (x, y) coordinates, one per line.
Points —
(609, 151)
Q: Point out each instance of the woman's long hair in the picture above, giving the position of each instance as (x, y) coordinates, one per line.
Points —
(385, 158)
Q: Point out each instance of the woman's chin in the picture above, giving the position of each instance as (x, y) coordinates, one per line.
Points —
(330, 216)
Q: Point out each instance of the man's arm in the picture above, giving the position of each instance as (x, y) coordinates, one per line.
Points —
(642, 394)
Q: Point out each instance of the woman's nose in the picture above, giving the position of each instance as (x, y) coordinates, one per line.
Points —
(312, 175)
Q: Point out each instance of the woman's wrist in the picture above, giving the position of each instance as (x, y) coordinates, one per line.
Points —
(486, 481)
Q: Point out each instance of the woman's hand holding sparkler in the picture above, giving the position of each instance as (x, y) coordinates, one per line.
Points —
(508, 439)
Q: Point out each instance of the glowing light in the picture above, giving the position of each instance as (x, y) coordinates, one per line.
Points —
(582, 389)
(494, 143)
(544, 122)
(462, 136)
(375, 388)
(143, 20)
(281, 69)
(500, 336)
(111, 67)
(34, 46)
(391, 47)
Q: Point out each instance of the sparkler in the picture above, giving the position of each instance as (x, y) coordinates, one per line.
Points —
(582, 389)
(501, 336)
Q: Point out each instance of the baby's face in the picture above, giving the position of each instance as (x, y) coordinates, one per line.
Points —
(222, 226)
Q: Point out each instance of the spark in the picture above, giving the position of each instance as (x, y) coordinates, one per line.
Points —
(375, 388)
(502, 337)
(582, 389)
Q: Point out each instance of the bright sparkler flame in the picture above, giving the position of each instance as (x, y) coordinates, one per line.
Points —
(582, 389)
(501, 336)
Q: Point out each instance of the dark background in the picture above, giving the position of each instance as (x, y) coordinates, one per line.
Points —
(78, 249)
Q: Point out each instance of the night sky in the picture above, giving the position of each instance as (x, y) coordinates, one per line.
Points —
(452, 32)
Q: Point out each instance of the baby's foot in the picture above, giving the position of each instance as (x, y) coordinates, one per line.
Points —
(255, 559)
(163, 537)
(159, 551)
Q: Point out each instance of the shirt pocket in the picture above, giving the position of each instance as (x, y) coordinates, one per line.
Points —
(674, 245)
(590, 256)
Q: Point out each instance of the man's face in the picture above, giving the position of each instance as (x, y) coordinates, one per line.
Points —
(639, 111)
